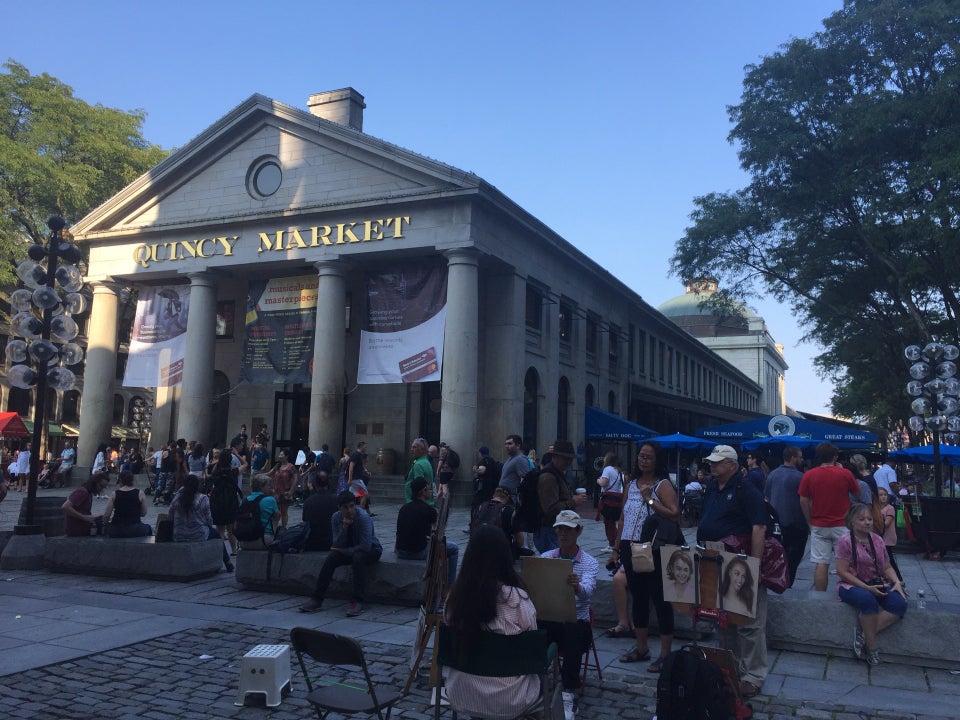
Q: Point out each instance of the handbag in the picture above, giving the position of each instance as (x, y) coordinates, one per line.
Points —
(641, 556)
(774, 573)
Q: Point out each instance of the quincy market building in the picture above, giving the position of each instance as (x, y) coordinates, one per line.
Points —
(295, 271)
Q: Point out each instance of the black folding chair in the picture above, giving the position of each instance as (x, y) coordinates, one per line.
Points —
(495, 655)
(342, 697)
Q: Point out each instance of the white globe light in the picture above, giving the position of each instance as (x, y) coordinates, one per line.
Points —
(953, 424)
(948, 405)
(921, 406)
(71, 354)
(919, 371)
(951, 386)
(60, 378)
(69, 278)
(915, 388)
(951, 352)
(27, 325)
(42, 351)
(937, 422)
(22, 376)
(46, 298)
(946, 369)
(17, 351)
(916, 423)
(912, 352)
(32, 274)
(64, 327)
(932, 351)
(75, 303)
(21, 300)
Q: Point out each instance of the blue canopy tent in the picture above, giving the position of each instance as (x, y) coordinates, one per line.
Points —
(843, 436)
(779, 441)
(602, 425)
(678, 442)
(949, 454)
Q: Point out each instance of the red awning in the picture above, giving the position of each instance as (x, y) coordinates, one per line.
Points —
(12, 426)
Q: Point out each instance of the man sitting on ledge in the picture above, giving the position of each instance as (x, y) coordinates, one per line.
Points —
(78, 519)
(415, 522)
(354, 544)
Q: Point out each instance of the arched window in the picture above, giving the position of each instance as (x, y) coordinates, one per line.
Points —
(118, 406)
(563, 409)
(531, 408)
(19, 401)
(589, 397)
(612, 402)
(71, 406)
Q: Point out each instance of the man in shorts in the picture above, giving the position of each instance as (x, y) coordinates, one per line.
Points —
(825, 493)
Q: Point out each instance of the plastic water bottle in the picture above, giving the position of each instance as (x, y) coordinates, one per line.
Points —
(921, 600)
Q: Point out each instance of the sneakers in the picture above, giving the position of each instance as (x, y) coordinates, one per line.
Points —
(873, 657)
(310, 606)
(354, 609)
(858, 642)
(569, 705)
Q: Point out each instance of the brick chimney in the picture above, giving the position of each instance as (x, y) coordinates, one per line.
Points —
(340, 106)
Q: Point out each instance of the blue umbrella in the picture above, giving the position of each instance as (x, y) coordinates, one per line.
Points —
(779, 440)
(679, 442)
(949, 454)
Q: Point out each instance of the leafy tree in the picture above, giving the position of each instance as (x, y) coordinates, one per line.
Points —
(851, 139)
(60, 155)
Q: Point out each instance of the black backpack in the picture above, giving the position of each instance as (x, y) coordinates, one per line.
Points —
(325, 462)
(691, 687)
(490, 513)
(453, 459)
(248, 526)
(529, 512)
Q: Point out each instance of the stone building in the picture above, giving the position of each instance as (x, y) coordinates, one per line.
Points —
(535, 330)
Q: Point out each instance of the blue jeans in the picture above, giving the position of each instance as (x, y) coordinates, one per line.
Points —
(868, 604)
(453, 553)
(546, 539)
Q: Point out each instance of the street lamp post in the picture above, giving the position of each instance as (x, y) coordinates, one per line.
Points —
(936, 390)
(41, 310)
(142, 419)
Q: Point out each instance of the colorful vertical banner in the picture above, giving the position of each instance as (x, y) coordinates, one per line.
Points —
(280, 324)
(402, 336)
(159, 337)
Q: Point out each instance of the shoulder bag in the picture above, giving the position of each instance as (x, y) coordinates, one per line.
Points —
(611, 502)
(641, 553)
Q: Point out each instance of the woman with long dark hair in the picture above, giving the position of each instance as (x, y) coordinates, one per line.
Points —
(225, 498)
(737, 588)
(489, 596)
(649, 495)
(124, 510)
(191, 518)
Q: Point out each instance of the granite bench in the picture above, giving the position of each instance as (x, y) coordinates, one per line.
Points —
(133, 557)
(391, 580)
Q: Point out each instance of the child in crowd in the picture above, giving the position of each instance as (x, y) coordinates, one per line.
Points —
(889, 514)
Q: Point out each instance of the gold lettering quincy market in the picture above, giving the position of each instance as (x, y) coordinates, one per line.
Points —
(145, 254)
(338, 234)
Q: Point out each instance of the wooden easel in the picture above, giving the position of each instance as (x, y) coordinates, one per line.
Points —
(434, 595)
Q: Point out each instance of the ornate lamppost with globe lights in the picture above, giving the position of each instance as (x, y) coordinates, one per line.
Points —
(936, 392)
(42, 310)
(142, 419)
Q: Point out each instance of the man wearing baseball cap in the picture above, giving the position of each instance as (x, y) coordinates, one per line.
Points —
(733, 506)
(573, 638)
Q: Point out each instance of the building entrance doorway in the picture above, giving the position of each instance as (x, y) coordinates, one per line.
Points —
(430, 403)
(291, 423)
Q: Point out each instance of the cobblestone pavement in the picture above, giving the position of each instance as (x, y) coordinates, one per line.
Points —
(80, 647)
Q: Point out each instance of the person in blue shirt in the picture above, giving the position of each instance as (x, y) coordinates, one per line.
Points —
(354, 544)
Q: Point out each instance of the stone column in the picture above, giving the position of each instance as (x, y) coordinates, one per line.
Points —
(458, 420)
(329, 345)
(100, 367)
(193, 416)
(503, 380)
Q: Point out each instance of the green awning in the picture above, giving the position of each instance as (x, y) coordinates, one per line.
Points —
(53, 430)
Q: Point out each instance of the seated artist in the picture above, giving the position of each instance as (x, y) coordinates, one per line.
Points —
(573, 638)
(77, 518)
(415, 522)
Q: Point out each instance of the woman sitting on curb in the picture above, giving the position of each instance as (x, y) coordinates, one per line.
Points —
(127, 505)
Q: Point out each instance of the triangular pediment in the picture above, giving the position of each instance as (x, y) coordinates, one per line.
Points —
(323, 165)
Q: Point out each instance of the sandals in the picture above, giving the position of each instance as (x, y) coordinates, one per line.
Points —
(657, 665)
(619, 631)
(635, 655)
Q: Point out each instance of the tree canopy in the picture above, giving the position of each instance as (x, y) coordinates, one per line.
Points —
(851, 139)
(58, 154)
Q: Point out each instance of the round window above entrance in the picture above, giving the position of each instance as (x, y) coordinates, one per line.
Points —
(264, 177)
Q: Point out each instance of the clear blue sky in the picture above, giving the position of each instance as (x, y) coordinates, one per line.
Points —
(603, 119)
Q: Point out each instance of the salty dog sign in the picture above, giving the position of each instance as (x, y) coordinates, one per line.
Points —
(280, 323)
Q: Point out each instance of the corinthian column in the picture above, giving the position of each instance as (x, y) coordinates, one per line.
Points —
(193, 418)
(329, 344)
(458, 418)
(100, 367)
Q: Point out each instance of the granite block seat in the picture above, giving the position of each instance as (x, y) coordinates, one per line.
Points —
(391, 580)
(134, 557)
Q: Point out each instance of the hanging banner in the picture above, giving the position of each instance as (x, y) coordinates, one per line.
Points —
(402, 337)
(159, 337)
(280, 322)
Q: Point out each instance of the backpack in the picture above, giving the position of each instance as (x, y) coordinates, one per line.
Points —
(528, 501)
(490, 513)
(291, 540)
(690, 687)
(453, 459)
(325, 462)
(248, 525)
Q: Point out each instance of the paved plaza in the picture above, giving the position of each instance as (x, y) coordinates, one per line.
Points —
(81, 647)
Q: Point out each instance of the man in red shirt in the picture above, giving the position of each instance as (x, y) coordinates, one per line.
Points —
(825, 498)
